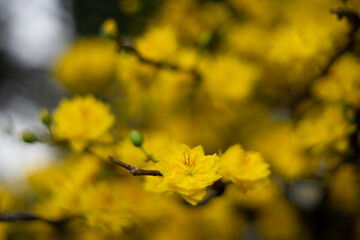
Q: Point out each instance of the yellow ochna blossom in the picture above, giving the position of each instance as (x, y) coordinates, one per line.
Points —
(280, 212)
(159, 43)
(88, 65)
(188, 172)
(342, 83)
(6, 201)
(59, 194)
(245, 168)
(226, 78)
(291, 160)
(344, 189)
(105, 205)
(81, 120)
(329, 128)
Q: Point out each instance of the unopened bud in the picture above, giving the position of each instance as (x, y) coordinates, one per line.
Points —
(109, 28)
(29, 137)
(45, 116)
(136, 138)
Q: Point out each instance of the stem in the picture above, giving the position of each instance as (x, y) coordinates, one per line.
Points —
(127, 45)
(30, 216)
(149, 156)
(134, 170)
(51, 133)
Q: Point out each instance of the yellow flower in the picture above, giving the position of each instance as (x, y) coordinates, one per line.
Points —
(344, 190)
(328, 129)
(226, 78)
(87, 66)
(188, 172)
(245, 168)
(59, 187)
(159, 43)
(290, 160)
(81, 120)
(342, 83)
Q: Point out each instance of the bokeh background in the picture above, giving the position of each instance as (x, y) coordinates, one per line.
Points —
(279, 77)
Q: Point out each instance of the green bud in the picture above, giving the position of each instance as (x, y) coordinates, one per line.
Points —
(45, 116)
(29, 137)
(136, 138)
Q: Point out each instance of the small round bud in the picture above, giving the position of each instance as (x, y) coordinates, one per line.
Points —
(45, 116)
(29, 137)
(109, 28)
(136, 138)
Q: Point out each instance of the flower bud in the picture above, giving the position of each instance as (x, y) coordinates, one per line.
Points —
(29, 137)
(45, 116)
(136, 138)
(109, 28)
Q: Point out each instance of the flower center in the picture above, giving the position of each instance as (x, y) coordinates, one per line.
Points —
(189, 162)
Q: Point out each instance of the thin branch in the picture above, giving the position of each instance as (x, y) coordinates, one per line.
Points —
(30, 216)
(134, 170)
(351, 16)
(354, 21)
(126, 44)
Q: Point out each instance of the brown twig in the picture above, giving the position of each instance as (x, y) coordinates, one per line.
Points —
(134, 170)
(127, 45)
(30, 216)
(351, 16)
(354, 21)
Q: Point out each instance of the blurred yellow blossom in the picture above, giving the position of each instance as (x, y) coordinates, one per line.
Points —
(342, 83)
(228, 78)
(87, 66)
(188, 172)
(6, 201)
(344, 189)
(245, 168)
(205, 18)
(159, 43)
(247, 39)
(283, 149)
(328, 129)
(60, 192)
(104, 207)
(278, 214)
(81, 120)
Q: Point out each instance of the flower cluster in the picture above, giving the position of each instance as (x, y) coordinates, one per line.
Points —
(189, 81)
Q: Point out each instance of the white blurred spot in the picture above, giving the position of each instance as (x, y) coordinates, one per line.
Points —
(35, 30)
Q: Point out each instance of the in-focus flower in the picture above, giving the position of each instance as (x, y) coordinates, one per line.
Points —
(245, 168)
(81, 120)
(188, 172)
